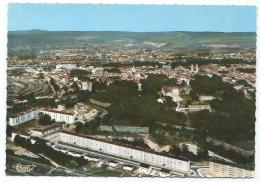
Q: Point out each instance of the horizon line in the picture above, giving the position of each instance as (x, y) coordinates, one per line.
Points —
(27, 30)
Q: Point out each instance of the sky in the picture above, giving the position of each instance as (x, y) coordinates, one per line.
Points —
(135, 18)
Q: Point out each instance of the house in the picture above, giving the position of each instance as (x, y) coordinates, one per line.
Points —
(66, 66)
(197, 107)
(173, 92)
(86, 86)
(204, 98)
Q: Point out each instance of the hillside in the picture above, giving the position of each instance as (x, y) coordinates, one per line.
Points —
(35, 40)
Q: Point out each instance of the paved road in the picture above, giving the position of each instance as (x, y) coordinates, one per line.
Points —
(197, 169)
(98, 154)
(85, 151)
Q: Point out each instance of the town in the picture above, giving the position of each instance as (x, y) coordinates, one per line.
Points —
(97, 110)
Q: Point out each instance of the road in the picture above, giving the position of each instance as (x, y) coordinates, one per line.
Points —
(98, 154)
(197, 170)
(52, 88)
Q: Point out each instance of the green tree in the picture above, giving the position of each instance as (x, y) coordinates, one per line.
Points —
(202, 154)
(184, 148)
(45, 119)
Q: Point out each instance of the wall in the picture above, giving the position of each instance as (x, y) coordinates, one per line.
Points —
(59, 117)
(131, 129)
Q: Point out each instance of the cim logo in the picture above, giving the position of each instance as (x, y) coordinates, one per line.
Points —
(24, 168)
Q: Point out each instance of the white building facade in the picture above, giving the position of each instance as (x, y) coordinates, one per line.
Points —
(86, 86)
(203, 98)
(42, 132)
(222, 170)
(126, 152)
(66, 66)
(24, 117)
(194, 108)
(60, 116)
(173, 92)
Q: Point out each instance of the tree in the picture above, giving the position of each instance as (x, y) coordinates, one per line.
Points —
(79, 73)
(70, 102)
(45, 119)
(184, 148)
(208, 85)
(54, 84)
(79, 127)
(202, 154)
(175, 150)
(153, 84)
(41, 76)
(75, 87)
(113, 70)
(20, 140)
(9, 130)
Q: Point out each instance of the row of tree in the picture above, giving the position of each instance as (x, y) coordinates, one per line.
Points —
(182, 151)
(45, 119)
(40, 147)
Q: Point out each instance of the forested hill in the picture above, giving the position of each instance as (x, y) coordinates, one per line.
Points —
(41, 40)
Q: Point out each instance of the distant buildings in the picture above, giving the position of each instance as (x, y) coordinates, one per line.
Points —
(97, 71)
(194, 69)
(196, 107)
(86, 86)
(66, 66)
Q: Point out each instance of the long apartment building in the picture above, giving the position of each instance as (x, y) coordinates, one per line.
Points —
(222, 170)
(126, 152)
(23, 117)
(59, 116)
